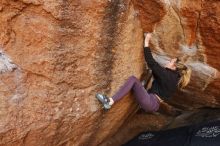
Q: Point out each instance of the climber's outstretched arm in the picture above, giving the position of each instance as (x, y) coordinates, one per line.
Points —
(157, 70)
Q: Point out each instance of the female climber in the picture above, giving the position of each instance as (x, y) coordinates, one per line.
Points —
(174, 75)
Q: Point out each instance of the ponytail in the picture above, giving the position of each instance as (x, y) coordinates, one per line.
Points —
(185, 74)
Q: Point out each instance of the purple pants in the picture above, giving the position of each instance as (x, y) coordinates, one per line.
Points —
(148, 101)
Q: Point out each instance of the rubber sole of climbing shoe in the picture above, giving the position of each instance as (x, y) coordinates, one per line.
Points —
(103, 99)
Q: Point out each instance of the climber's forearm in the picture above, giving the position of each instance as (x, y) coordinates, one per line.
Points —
(147, 52)
(146, 43)
(149, 57)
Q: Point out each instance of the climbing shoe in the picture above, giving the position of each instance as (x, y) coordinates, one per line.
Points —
(104, 100)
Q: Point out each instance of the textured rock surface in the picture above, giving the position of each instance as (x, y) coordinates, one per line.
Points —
(65, 51)
(185, 31)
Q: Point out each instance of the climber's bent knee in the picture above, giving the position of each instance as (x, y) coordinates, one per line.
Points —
(132, 77)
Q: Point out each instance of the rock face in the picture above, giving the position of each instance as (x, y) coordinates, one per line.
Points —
(57, 54)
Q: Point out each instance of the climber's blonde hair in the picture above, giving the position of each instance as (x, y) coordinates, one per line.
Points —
(185, 73)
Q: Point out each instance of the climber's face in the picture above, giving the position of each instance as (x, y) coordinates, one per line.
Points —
(172, 64)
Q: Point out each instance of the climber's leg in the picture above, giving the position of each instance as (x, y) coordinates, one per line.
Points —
(125, 88)
(148, 102)
(108, 102)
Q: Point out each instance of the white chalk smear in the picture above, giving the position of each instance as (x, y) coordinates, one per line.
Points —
(204, 69)
(190, 51)
(15, 98)
(20, 91)
(6, 64)
(167, 2)
(161, 59)
(197, 66)
(175, 3)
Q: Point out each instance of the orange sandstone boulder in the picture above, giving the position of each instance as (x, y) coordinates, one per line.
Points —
(55, 55)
